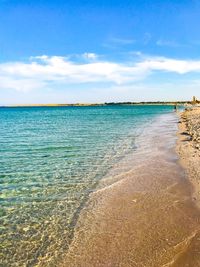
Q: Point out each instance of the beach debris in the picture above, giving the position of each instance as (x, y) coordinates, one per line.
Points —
(26, 228)
(197, 146)
(192, 121)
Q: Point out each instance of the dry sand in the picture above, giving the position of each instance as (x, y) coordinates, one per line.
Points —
(189, 147)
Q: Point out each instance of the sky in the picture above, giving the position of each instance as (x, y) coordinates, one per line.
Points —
(75, 51)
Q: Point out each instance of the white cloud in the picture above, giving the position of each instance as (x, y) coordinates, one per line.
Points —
(169, 65)
(23, 85)
(92, 56)
(46, 72)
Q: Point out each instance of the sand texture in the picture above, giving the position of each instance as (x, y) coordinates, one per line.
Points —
(189, 147)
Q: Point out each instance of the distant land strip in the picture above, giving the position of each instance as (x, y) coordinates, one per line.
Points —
(101, 104)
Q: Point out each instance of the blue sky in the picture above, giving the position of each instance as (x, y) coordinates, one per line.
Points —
(96, 51)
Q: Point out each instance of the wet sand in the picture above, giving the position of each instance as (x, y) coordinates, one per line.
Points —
(143, 212)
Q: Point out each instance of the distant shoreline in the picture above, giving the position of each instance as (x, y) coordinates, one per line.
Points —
(159, 103)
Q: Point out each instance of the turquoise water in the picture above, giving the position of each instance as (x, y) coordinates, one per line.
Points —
(50, 160)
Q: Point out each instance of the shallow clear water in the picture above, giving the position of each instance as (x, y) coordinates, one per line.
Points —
(50, 160)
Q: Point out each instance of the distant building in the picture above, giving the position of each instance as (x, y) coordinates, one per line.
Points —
(195, 100)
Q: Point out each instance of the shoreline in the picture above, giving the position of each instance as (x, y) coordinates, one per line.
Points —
(146, 218)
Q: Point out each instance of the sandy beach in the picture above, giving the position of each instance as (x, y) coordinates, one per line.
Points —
(189, 147)
(99, 133)
(148, 216)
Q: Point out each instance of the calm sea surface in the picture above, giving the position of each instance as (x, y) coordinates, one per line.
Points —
(50, 161)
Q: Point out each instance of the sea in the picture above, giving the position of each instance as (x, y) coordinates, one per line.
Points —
(51, 160)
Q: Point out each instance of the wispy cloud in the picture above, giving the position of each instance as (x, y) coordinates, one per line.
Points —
(46, 72)
(168, 43)
(115, 42)
(121, 41)
(147, 38)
